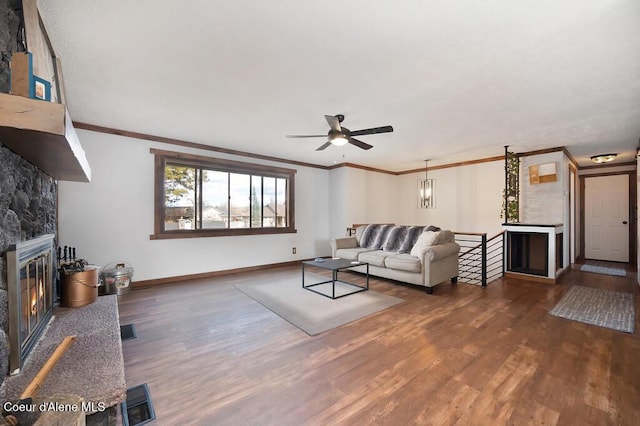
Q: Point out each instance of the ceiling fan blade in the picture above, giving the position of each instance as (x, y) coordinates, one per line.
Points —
(306, 136)
(321, 147)
(383, 129)
(334, 123)
(360, 144)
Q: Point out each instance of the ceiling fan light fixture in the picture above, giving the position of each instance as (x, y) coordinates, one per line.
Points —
(603, 158)
(340, 136)
(339, 140)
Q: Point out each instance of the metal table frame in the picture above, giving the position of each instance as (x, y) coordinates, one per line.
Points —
(335, 266)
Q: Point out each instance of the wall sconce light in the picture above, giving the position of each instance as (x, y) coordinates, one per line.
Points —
(603, 158)
(426, 190)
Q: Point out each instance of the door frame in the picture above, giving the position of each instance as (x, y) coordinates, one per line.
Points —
(573, 213)
(632, 211)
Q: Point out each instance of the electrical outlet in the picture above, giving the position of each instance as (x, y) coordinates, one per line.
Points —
(293, 250)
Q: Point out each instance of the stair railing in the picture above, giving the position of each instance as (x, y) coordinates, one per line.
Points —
(480, 259)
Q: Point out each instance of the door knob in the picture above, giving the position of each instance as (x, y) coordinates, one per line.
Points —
(624, 222)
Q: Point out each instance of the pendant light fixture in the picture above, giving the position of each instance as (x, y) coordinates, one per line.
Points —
(425, 192)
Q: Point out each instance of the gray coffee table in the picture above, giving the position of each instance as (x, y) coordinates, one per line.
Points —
(335, 266)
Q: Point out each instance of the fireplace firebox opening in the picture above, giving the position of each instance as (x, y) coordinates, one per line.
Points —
(528, 252)
(30, 273)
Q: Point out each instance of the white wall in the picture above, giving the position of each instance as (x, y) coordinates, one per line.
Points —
(361, 196)
(111, 218)
(468, 198)
(547, 203)
(543, 203)
(607, 170)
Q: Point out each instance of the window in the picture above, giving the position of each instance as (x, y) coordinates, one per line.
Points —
(198, 196)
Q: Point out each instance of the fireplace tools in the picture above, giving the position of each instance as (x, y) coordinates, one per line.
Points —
(68, 263)
(18, 417)
(78, 280)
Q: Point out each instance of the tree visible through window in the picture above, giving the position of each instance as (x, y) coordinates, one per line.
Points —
(207, 197)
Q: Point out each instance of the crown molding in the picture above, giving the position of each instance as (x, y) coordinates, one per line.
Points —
(188, 144)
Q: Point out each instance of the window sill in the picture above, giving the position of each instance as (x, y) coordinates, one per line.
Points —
(206, 233)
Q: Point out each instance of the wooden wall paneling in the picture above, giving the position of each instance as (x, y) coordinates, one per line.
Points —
(59, 80)
(21, 68)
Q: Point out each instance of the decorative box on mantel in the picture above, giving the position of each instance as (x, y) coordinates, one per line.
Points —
(533, 251)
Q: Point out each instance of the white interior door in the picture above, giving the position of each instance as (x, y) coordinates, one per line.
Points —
(607, 218)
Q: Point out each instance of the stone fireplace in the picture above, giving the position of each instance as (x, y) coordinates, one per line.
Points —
(30, 289)
(28, 200)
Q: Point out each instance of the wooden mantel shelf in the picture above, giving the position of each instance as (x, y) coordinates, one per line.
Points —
(43, 134)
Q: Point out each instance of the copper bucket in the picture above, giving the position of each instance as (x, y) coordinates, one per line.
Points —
(80, 288)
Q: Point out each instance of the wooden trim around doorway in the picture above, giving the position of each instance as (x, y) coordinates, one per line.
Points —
(633, 199)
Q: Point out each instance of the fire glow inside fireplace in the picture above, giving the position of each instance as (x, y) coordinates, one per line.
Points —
(30, 289)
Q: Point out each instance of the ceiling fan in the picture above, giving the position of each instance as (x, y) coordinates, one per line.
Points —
(339, 135)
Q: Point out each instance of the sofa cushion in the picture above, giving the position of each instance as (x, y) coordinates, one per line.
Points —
(351, 253)
(375, 258)
(426, 240)
(403, 262)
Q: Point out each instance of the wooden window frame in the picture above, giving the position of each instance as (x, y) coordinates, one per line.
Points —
(216, 164)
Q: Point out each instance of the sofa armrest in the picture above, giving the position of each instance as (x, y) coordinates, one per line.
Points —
(441, 251)
(342, 243)
(440, 263)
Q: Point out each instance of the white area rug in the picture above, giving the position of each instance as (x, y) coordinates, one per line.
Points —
(604, 270)
(311, 312)
(604, 308)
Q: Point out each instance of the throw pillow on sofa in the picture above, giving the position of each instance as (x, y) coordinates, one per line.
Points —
(425, 240)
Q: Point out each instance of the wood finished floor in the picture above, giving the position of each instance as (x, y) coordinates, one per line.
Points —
(462, 356)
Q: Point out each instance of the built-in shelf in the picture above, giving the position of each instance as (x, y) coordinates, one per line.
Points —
(43, 134)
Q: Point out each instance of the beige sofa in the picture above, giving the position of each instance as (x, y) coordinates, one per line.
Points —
(424, 256)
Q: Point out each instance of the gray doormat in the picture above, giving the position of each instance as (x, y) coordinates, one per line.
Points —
(604, 308)
(606, 270)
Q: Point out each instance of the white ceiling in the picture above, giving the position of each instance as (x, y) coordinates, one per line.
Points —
(457, 80)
